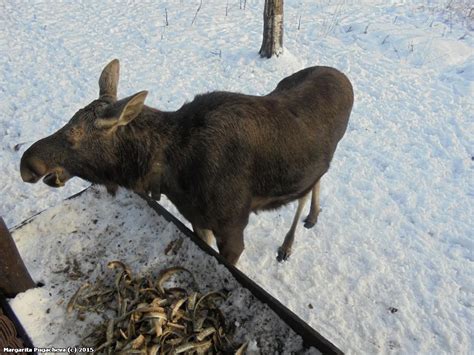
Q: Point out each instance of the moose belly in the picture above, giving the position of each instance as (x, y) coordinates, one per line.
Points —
(286, 185)
(260, 203)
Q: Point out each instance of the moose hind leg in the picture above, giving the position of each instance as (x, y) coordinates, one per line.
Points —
(312, 217)
(285, 250)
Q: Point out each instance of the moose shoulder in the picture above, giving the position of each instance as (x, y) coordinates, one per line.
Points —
(217, 158)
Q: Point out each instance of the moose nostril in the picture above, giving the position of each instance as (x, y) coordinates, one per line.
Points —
(32, 169)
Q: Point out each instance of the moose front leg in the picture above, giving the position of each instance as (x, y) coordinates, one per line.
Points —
(230, 242)
(203, 234)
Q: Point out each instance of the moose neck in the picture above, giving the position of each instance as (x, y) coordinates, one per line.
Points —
(142, 144)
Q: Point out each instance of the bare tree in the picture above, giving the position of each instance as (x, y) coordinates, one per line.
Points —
(272, 43)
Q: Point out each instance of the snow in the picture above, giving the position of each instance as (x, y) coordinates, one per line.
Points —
(396, 227)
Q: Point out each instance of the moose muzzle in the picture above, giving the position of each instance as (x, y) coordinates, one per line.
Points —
(32, 169)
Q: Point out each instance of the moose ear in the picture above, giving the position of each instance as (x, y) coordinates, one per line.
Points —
(133, 105)
(108, 80)
(122, 112)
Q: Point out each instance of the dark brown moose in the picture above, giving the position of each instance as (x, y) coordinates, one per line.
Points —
(217, 158)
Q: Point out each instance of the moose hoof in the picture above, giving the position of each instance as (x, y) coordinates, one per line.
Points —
(283, 254)
(310, 222)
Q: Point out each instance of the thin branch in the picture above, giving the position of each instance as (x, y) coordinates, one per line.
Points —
(195, 15)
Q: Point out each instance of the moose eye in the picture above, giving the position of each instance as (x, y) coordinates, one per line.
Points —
(75, 134)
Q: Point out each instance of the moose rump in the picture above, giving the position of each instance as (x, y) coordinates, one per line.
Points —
(217, 158)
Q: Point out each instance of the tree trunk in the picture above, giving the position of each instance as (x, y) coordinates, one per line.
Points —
(272, 42)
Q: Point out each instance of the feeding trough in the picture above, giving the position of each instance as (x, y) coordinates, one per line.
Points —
(75, 240)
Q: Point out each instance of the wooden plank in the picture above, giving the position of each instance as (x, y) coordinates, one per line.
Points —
(14, 275)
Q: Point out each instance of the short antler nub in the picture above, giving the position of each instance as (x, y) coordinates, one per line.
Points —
(108, 81)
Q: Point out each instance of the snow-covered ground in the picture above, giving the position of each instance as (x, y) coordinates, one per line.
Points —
(389, 267)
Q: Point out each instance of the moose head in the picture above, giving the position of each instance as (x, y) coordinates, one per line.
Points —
(92, 144)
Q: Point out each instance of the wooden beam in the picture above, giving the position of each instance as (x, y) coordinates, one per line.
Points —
(14, 277)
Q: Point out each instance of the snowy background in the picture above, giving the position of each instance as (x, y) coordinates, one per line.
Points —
(396, 231)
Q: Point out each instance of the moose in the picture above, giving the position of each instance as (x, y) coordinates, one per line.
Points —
(217, 158)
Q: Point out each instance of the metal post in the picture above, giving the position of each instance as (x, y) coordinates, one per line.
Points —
(14, 277)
